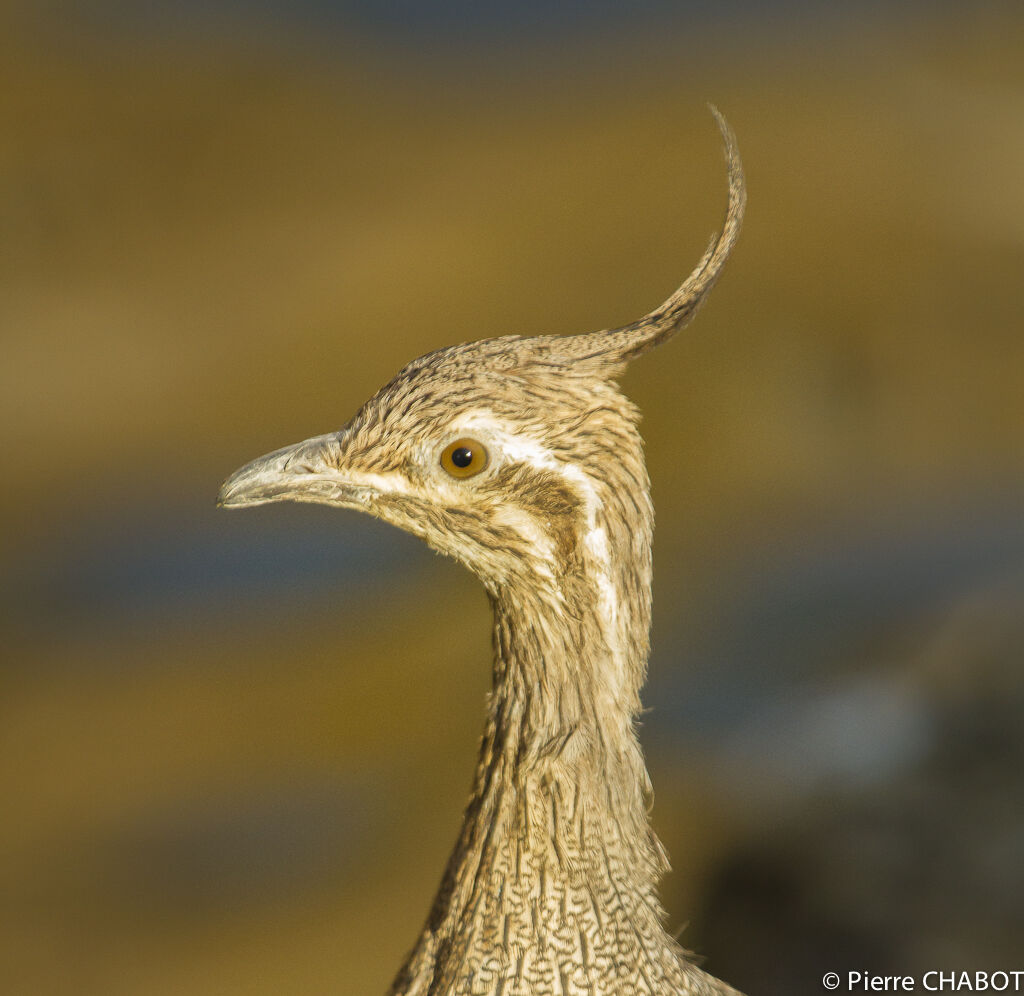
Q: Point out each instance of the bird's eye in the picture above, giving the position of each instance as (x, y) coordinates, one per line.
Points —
(464, 458)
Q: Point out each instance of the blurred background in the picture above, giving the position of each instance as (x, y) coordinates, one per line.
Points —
(234, 748)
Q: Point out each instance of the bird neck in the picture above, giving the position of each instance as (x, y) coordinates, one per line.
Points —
(555, 871)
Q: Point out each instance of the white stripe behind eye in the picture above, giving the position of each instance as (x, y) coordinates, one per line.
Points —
(514, 446)
(519, 448)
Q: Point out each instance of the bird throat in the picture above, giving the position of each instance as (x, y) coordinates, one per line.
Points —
(551, 887)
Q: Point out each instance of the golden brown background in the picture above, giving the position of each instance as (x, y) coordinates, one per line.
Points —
(234, 747)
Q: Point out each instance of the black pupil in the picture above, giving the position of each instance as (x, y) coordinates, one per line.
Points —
(462, 457)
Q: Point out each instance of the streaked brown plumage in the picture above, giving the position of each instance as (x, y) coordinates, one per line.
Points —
(521, 458)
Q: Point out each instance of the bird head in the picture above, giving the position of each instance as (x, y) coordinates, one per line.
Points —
(503, 453)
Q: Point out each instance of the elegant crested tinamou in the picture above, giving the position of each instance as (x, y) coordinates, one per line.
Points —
(520, 457)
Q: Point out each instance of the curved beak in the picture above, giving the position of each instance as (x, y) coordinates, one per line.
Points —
(307, 471)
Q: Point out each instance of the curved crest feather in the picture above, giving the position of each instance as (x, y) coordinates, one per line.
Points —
(616, 347)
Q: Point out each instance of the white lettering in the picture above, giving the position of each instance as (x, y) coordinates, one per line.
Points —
(976, 982)
(865, 982)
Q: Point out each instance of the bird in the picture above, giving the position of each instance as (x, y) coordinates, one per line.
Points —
(520, 457)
